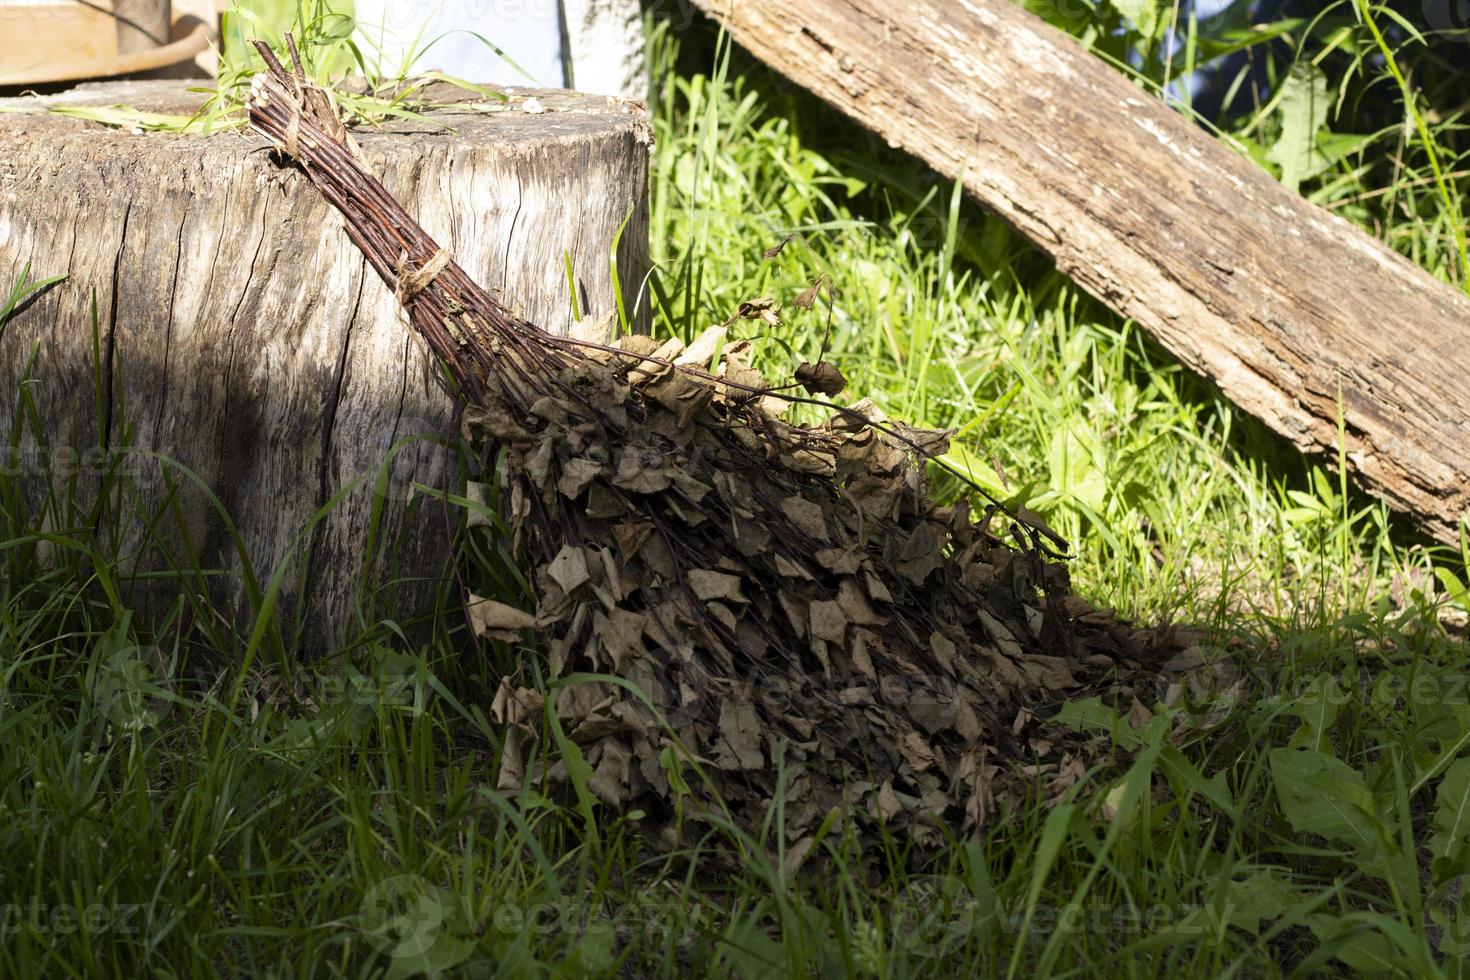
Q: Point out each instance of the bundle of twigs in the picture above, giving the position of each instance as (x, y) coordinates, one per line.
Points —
(788, 600)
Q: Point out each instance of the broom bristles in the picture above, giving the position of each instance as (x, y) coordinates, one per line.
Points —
(779, 595)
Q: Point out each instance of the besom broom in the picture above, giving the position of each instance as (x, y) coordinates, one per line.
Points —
(777, 601)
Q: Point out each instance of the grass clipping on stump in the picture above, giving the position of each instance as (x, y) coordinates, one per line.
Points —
(798, 617)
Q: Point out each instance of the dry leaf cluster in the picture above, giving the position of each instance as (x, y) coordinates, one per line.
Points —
(789, 601)
(785, 605)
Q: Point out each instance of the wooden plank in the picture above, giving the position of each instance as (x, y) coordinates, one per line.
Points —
(1278, 302)
(242, 335)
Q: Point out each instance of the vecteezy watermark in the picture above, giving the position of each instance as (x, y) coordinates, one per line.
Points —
(62, 462)
(392, 465)
(403, 916)
(935, 915)
(131, 685)
(1447, 911)
(391, 682)
(929, 232)
(403, 21)
(40, 918)
(412, 921)
(548, 918)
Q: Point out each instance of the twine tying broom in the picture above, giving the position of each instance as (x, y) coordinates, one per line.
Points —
(772, 597)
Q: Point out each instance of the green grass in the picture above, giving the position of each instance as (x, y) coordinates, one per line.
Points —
(182, 799)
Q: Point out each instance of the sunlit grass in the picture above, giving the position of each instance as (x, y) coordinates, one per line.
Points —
(177, 797)
(1178, 504)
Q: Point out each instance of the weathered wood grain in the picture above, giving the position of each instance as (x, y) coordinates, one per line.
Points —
(241, 334)
(1277, 301)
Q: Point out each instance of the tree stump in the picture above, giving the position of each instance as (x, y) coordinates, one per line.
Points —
(240, 334)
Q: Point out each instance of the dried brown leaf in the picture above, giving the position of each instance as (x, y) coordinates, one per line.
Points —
(828, 621)
(763, 308)
(738, 744)
(807, 298)
(779, 247)
(569, 568)
(709, 584)
(822, 378)
(496, 620)
(808, 517)
(703, 347)
(576, 474)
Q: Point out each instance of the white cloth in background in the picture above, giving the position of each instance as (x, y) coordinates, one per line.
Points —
(528, 31)
(597, 45)
(604, 39)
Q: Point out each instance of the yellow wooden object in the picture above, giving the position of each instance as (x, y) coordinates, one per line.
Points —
(65, 40)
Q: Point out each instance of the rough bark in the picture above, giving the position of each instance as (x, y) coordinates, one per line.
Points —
(1278, 302)
(241, 334)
